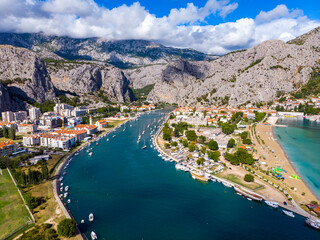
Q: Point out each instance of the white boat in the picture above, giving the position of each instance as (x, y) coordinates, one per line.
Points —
(272, 204)
(227, 184)
(107, 139)
(66, 188)
(249, 199)
(69, 200)
(91, 217)
(82, 221)
(288, 213)
(90, 154)
(65, 195)
(313, 223)
(93, 235)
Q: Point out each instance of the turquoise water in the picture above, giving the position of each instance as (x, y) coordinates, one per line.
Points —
(134, 194)
(301, 142)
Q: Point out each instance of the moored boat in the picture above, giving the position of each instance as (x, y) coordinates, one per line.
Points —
(272, 204)
(313, 223)
(91, 217)
(199, 176)
(288, 213)
(93, 235)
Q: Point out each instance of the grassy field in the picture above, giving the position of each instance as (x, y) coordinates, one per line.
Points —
(236, 179)
(19, 138)
(13, 213)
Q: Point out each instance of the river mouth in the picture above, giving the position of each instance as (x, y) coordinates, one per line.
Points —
(134, 194)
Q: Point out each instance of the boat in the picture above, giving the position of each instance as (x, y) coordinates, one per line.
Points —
(69, 200)
(272, 204)
(249, 199)
(90, 154)
(313, 223)
(91, 217)
(248, 194)
(93, 235)
(229, 185)
(82, 221)
(288, 213)
(144, 147)
(199, 176)
(114, 136)
(107, 139)
(66, 188)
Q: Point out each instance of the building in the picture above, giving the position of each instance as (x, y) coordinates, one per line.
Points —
(27, 128)
(78, 111)
(32, 140)
(7, 147)
(101, 124)
(74, 121)
(52, 140)
(7, 116)
(91, 129)
(61, 106)
(51, 121)
(34, 113)
(7, 124)
(78, 134)
(20, 116)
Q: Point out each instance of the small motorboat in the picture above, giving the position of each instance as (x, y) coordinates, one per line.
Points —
(91, 217)
(288, 213)
(93, 235)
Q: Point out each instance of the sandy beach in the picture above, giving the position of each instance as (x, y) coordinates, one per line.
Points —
(271, 152)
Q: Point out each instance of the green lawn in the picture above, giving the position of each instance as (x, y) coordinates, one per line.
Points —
(13, 213)
(236, 179)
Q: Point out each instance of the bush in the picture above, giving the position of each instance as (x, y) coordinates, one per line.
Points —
(247, 141)
(200, 161)
(231, 143)
(249, 178)
(214, 155)
(191, 135)
(67, 228)
(191, 147)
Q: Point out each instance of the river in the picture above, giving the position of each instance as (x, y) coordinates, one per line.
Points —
(134, 194)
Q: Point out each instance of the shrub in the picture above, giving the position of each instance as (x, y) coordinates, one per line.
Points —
(249, 178)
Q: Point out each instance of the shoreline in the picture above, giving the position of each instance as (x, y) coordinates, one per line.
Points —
(292, 205)
(293, 166)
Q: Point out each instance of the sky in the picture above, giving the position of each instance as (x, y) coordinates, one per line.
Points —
(210, 26)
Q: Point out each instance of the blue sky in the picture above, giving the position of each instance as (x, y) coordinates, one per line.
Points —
(246, 8)
(211, 26)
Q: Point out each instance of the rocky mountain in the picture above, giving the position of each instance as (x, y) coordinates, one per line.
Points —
(258, 74)
(120, 53)
(82, 78)
(24, 76)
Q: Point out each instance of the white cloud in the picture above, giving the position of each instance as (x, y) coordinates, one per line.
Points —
(181, 28)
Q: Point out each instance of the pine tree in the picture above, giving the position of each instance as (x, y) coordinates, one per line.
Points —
(5, 132)
(12, 133)
(44, 168)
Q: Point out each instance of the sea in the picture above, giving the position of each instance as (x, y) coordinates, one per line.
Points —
(301, 142)
(134, 194)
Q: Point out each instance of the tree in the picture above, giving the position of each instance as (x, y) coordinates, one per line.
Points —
(214, 155)
(191, 147)
(213, 145)
(203, 149)
(201, 139)
(191, 135)
(249, 178)
(5, 132)
(247, 141)
(166, 134)
(67, 228)
(174, 144)
(200, 161)
(244, 135)
(227, 128)
(231, 143)
(185, 142)
(44, 168)
(12, 133)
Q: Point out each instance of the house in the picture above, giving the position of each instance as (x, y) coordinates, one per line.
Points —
(7, 147)
(101, 124)
(27, 128)
(57, 141)
(91, 129)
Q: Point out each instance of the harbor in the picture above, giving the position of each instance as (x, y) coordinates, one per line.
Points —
(137, 188)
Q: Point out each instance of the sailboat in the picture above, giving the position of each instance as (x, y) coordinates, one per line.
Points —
(144, 146)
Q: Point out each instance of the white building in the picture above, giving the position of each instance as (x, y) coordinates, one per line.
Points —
(78, 111)
(34, 113)
(27, 128)
(32, 140)
(20, 116)
(7, 116)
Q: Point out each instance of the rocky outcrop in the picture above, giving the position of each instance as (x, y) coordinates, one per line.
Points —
(82, 78)
(25, 75)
